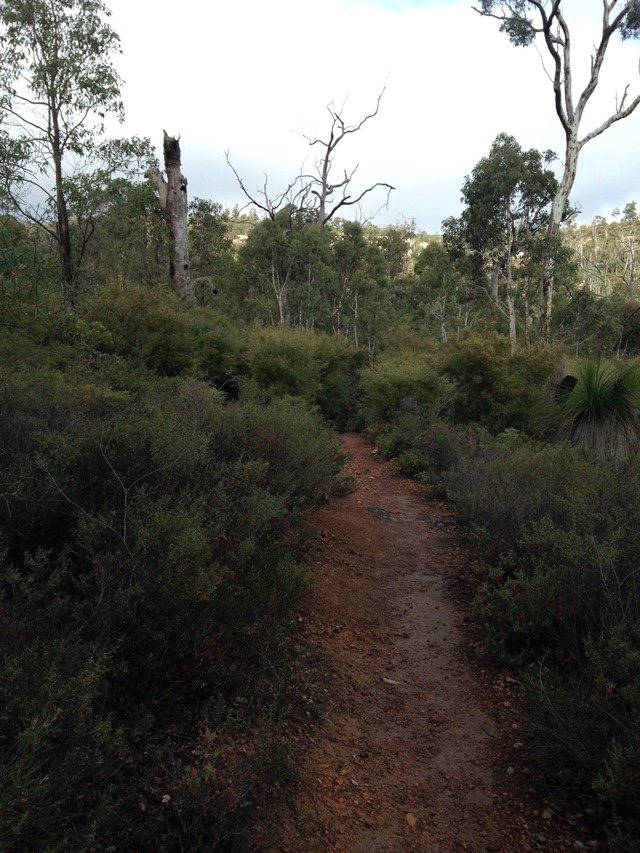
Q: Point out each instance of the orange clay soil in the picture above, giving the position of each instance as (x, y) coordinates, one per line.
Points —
(408, 742)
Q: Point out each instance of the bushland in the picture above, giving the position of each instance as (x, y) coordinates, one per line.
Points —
(546, 481)
(150, 534)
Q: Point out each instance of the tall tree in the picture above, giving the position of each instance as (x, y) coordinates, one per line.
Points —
(508, 197)
(441, 294)
(322, 186)
(525, 21)
(57, 84)
(129, 240)
(283, 262)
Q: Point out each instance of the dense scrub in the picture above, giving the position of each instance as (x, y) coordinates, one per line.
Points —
(556, 584)
(155, 463)
(149, 535)
(558, 591)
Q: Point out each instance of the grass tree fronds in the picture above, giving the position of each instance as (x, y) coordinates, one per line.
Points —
(602, 412)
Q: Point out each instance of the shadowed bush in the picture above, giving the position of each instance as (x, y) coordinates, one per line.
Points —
(148, 566)
(558, 593)
(493, 387)
(318, 368)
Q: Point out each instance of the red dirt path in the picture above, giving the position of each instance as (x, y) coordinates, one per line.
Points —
(416, 747)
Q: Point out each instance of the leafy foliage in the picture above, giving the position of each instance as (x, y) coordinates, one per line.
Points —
(321, 369)
(495, 387)
(145, 577)
(57, 84)
(602, 412)
(558, 594)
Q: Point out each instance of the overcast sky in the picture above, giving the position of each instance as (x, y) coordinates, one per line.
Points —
(253, 77)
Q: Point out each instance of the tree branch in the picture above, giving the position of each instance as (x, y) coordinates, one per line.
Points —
(347, 201)
(269, 206)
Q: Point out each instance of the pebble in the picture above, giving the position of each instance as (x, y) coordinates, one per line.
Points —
(438, 719)
(411, 820)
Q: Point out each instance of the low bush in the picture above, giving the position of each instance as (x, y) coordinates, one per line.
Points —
(558, 593)
(320, 369)
(402, 381)
(148, 566)
(507, 490)
(494, 388)
(146, 327)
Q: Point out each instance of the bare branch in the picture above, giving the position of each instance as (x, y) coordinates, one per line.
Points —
(347, 201)
(617, 116)
(319, 185)
(270, 206)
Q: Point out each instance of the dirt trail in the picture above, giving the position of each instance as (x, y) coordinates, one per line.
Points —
(417, 748)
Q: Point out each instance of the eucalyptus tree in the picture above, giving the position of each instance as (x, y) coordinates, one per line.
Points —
(508, 198)
(608, 253)
(362, 271)
(527, 22)
(359, 277)
(213, 262)
(129, 239)
(172, 193)
(396, 242)
(283, 262)
(443, 293)
(57, 86)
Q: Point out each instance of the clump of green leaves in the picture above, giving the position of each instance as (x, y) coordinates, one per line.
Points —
(602, 412)
(319, 368)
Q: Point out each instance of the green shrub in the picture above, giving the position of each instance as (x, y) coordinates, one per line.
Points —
(507, 491)
(403, 381)
(145, 326)
(149, 566)
(559, 595)
(411, 463)
(318, 368)
(493, 387)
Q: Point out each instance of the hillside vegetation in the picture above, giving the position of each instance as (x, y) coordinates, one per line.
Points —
(157, 458)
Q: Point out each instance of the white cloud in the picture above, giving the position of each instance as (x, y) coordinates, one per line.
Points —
(252, 76)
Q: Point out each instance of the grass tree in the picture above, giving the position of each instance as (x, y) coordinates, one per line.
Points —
(602, 411)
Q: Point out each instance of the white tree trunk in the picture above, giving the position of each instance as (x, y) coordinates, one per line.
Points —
(554, 29)
(495, 275)
(176, 216)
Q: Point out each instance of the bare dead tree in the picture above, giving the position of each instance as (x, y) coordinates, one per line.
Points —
(172, 191)
(320, 185)
(317, 191)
